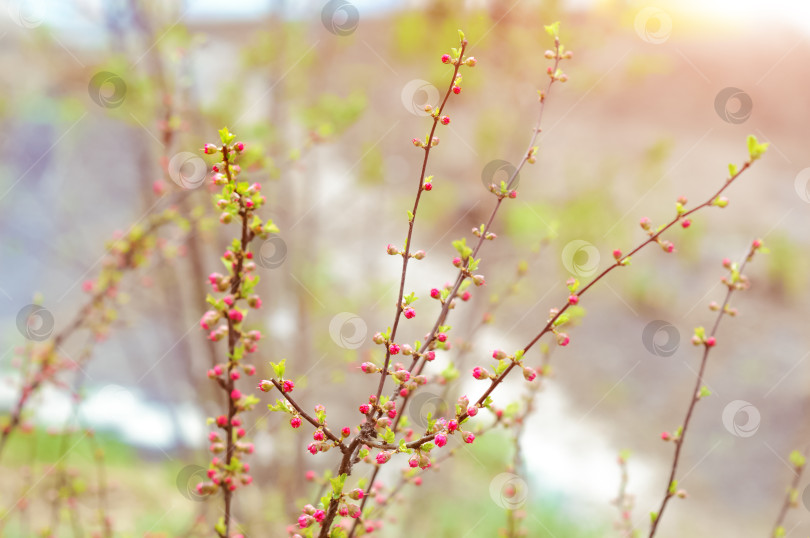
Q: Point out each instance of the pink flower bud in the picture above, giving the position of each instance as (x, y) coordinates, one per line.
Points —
(441, 337)
(239, 146)
(573, 299)
(383, 457)
(391, 249)
(365, 408)
(456, 90)
(563, 339)
(686, 223)
(210, 149)
(710, 341)
(393, 349)
(457, 261)
(617, 254)
(369, 368)
(305, 521)
(222, 421)
(310, 476)
(471, 61)
(235, 375)
(445, 120)
(452, 425)
(265, 385)
(430, 355)
(440, 439)
(319, 515)
(235, 315)
(665, 436)
(409, 313)
(345, 432)
(645, 223)
(472, 411)
(218, 369)
(478, 280)
(235, 394)
(401, 376)
(468, 437)
(318, 435)
(435, 293)
(466, 296)
(498, 354)
(287, 386)
(480, 373)
(529, 374)
(446, 58)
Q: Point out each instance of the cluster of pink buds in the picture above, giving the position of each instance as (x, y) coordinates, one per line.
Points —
(226, 318)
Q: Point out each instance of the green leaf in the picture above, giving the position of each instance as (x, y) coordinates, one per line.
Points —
(461, 246)
(519, 355)
(755, 148)
(460, 35)
(704, 392)
(673, 487)
(653, 516)
(732, 170)
(797, 459)
(220, 526)
(337, 485)
(226, 136)
(553, 29)
(279, 368)
(562, 319)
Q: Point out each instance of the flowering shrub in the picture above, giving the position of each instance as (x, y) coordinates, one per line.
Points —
(397, 371)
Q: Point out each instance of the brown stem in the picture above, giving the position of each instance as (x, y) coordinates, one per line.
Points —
(669, 493)
(407, 254)
(791, 494)
(417, 367)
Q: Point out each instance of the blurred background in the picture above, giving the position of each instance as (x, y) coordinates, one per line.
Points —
(105, 105)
